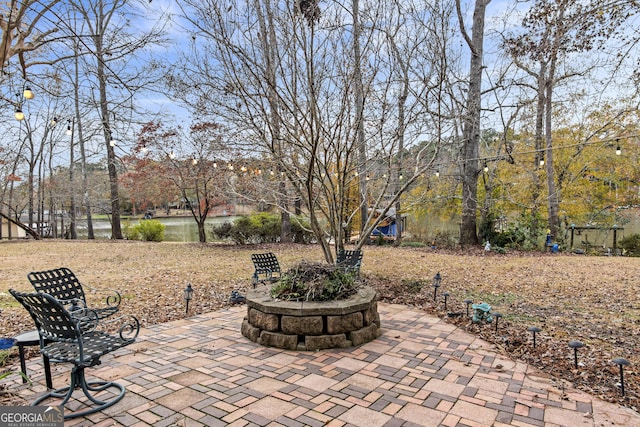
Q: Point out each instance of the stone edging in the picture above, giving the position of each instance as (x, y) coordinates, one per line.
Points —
(308, 326)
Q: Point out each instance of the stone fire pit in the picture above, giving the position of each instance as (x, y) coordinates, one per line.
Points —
(310, 325)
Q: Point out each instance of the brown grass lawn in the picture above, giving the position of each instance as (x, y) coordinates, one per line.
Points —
(592, 299)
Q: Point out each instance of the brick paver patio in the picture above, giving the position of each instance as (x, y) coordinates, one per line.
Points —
(422, 371)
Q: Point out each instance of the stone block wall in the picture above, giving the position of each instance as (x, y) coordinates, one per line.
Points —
(308, 326)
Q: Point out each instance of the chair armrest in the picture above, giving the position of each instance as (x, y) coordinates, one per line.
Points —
(112, 300)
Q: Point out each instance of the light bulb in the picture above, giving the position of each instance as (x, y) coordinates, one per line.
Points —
(28, 94)
(19, 115)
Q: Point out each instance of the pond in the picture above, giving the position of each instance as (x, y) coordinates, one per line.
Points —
(178, 229)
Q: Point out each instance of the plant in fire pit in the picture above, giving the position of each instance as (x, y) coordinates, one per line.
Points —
(310, 281)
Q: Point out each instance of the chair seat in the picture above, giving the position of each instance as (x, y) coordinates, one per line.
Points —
(94, 345)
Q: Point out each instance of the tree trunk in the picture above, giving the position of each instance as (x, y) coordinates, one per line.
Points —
(359, 119)
(471, 125)
(116, 230)
(73, 230)
(553, 199)
(83, 156)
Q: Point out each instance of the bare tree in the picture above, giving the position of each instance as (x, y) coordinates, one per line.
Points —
(471, 123)
(113, 48)
(316, 88)
(21, 31)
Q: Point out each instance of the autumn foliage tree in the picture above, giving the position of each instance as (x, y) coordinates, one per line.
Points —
(188, 161)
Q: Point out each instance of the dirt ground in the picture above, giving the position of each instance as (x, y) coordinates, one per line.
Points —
(569, 297)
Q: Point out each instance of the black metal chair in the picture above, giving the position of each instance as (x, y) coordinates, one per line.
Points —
(267, 268)
(350, 260)
(63, 285)
(79, 341)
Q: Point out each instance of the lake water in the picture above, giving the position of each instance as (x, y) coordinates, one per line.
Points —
(184, 229)
(178, 229)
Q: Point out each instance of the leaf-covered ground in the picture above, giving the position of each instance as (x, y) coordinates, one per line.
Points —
(569, 297)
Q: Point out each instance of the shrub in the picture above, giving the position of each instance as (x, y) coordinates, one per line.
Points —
(131, 232)
(512, 238)
(149, 230)
(263, 227)
(631, 245)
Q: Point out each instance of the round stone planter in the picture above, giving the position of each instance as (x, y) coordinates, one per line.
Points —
(310, 325)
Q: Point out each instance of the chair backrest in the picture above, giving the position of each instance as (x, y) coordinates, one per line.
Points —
(52, 319)
(60, 283)
(266, 263)
(349, 258)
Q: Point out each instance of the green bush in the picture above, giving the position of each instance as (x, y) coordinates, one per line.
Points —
(631, 245)
(263, 227)
(512, 238)
(131, 232)
(149, 230)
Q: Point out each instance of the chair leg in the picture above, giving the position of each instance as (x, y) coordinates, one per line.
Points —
(89, 389)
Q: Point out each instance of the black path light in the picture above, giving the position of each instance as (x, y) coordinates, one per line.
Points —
(188, 296)
(468, 302)
(497, 316)
(437, 279)
(575, 345)
(446, 296)
(621, 361)
(534, 330)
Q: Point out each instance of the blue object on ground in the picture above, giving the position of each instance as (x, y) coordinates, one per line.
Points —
(6, 343)
(554, 248)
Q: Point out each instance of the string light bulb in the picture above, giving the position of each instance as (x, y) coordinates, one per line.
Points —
(69, 129)
(486, 167)
(54, 121)
(437, 173)
(28, 93)
(19, 115)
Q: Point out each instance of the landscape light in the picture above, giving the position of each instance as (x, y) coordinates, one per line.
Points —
(437, 279)
(188, 296)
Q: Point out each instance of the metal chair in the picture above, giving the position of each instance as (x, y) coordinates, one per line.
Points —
(77, 340)
(266, 265)
(63, 285)
(350, 260)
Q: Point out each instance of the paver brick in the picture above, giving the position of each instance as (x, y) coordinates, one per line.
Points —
(202, 371)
